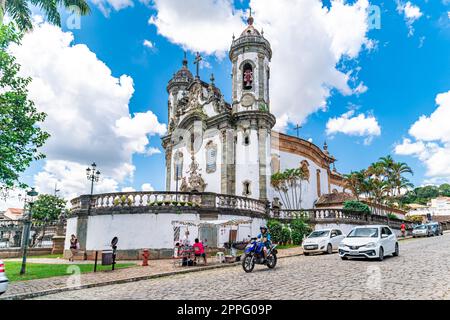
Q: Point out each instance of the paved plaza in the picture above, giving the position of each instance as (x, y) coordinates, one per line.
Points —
(421, 272)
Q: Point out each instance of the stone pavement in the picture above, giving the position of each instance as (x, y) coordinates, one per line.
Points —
(420, 272)
(156, 268)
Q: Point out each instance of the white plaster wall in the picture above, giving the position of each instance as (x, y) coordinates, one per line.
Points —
(309, 190)
(71, 228)
(338, 188)
(136, 231)
(247, 164)
(213, 179)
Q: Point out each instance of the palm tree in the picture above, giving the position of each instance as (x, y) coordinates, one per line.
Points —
(20, 12)
(355, 183)
(398, 181)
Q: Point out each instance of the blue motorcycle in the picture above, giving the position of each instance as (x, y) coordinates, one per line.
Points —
(254, 255)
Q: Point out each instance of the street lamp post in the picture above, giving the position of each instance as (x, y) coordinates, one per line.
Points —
(92, 175)
(26, 227)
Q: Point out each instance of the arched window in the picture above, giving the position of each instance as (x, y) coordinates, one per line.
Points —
(211, 157)
(178, 165)
(247, 76)
(247, 190)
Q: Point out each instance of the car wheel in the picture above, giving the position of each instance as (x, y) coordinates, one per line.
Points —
(397, 251)
(306, 253)
(329, 249)
(381, 254)
(344, 258)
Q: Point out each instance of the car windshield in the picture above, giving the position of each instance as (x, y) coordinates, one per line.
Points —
(421, 227)
(363, 233)
(319, 234)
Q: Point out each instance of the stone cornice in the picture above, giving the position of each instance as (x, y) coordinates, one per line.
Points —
(301, 147)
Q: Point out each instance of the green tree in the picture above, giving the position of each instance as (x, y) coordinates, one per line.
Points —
(357, 206)
(444, 190)
(48, 207)
(20, 136)
(19, 10)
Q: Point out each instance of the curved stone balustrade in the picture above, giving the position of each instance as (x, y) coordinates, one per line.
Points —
(154, 199)
(341, 216)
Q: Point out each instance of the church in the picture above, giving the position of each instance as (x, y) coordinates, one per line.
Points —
(222, 160)
(230, 147)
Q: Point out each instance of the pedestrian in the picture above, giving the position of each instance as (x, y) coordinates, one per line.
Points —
(403, 230)
(199, 250)
(74, 246)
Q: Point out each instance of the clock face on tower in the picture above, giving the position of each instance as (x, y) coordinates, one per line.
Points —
(247, 100)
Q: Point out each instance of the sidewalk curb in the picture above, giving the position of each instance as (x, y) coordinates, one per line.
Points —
(121, 281)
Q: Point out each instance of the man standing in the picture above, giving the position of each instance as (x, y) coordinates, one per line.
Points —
(403, 230)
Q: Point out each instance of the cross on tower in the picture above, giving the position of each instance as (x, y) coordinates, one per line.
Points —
(197, 60)
(298, 127)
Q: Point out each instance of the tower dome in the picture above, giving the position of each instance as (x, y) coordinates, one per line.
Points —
(183, 77)
(250, 37)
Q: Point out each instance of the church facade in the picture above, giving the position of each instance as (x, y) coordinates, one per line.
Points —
(231, 148)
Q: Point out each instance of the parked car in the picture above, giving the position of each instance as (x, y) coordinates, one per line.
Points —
(3, 279)
(373, 242)
(326, 240)
(421, 231)
(435, 229)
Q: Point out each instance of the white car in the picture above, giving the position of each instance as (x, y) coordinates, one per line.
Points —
(374, 242)
(326, 240)
(3, 278)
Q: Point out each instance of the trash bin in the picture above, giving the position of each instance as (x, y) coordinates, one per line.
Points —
(107, 257)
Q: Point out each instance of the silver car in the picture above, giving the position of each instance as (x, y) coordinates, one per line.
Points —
(3, 279)
(421, 231)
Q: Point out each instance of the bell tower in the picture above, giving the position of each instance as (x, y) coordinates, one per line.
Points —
(250, 55)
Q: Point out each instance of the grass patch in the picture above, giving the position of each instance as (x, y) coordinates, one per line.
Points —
(40, 270)
(47, 256)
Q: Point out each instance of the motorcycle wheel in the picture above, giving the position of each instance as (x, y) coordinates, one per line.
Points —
(272, 261)
(248, 263)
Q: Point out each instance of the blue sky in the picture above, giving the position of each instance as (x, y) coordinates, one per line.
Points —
(403, 70)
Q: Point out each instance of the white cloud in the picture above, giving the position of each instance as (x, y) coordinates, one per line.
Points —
(308, 41)
(147, 187)
(128, 189)
(148, 44)
(432, 141)
(106, 6)
(198, 25)
(354, 125)
(88, 114)
(411, 13)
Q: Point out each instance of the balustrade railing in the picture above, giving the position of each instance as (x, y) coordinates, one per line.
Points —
(154, 199)
(322, 215)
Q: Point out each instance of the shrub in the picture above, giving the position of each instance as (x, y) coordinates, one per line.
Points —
(357, 206)
(297, 237)
(299, 229)
(275, 229)
(285, 235)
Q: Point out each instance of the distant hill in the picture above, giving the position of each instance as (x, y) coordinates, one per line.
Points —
(422, 195)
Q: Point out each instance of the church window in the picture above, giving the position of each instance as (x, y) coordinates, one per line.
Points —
(319, 192)
(211, 157)
(246, 140)
(178, 166)
(247, 191)
(248, 76)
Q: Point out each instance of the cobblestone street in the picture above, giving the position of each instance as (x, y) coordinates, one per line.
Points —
(421, 272)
